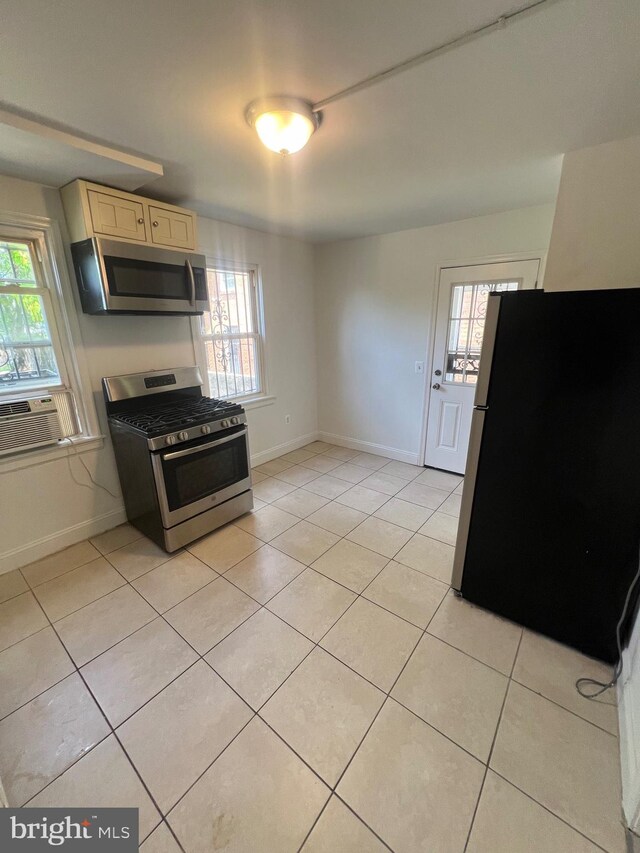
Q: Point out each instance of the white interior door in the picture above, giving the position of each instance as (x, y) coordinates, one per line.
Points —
(462, 305)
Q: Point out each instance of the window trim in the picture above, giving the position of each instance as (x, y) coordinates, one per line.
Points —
(261, 397)
(43, 290)
(54, 263)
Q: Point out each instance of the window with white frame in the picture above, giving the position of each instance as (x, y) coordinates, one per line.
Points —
(32, 357)
(231, 333)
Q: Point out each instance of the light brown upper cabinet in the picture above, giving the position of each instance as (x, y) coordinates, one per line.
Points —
(93, 210)
(118, 217)
(171, 227)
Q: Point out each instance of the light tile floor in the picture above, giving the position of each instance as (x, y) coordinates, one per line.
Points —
(302, 679)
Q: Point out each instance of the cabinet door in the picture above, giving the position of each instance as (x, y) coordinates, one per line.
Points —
(170, 228)
(118, 217)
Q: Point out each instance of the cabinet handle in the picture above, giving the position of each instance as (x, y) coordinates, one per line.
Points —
(155, 223)
(140, 221)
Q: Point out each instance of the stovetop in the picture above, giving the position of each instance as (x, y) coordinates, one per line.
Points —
(160, 419)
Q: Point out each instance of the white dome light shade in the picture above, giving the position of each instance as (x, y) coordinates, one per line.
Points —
(284, 125)
(284, 131)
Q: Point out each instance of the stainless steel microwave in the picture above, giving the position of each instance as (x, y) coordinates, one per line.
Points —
(121, 278)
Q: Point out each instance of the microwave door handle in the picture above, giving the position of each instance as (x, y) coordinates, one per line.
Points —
(192, 284)
(180, 453)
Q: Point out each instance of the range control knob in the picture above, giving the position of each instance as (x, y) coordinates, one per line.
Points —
(234, 421)
(205, 430)
(170, 439)
(183, 436)
(224, 424)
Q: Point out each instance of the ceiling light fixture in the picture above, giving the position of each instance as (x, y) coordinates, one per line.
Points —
(283, 124)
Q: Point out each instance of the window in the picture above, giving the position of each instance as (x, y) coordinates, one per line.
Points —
(32, 359)
(466, 328)
(27, 355)
(231, 333)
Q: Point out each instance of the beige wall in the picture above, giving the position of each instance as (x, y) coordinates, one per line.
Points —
(374, 307)
(595, 241)
(41, 508)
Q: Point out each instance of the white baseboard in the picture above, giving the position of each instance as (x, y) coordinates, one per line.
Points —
(280, 449)
(369, 447)
(39, 548)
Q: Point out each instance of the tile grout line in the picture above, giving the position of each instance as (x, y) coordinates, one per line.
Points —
(162, 615)
(463, 652)
(113, 730)
(354, 813)
(256, 713)
(548, 810)
(260, 604)
(129, 582)
(201, 657)
(110, 732)
(100, 554)
(388, 693)
(370, 726)
(263, 606)
(191, 594)
(313, 825)
(333, 624)
(55, 683)
(388, 696)
(78, 609)
(493, 741)
(562, 708)
(316, 644)
(371, 515)
(508, 781)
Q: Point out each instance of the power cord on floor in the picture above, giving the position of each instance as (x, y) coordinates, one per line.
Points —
(601, 687)
(82, 462)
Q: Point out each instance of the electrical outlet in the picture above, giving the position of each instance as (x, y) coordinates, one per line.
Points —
(419, 366)
(287, 419)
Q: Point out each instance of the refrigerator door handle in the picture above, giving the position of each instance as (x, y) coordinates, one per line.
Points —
(486, 354)
(468, 491)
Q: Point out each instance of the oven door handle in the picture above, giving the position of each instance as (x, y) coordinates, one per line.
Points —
(180, 453)
(192, 283)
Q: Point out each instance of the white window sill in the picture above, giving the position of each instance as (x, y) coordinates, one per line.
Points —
(256, 402)
(29, 458)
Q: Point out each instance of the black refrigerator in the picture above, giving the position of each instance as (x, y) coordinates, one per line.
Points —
(550, 516)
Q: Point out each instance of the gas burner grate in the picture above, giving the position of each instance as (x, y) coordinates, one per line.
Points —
(158, 419)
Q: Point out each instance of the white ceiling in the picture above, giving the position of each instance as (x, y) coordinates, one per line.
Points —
(37, 152)
(477, 130)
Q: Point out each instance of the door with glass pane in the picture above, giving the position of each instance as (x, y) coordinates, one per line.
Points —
(462, 304)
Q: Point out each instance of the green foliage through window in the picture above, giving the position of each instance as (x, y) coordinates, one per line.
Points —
(27, 357)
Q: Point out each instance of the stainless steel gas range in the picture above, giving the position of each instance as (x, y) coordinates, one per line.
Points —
(183, 458)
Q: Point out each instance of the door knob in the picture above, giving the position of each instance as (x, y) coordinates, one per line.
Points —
(435, 386)
(437, 373)
(140, 221)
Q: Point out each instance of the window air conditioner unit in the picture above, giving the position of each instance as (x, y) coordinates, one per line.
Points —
(28, 422)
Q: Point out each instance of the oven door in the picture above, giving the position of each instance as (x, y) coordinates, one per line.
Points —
(200, 476)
